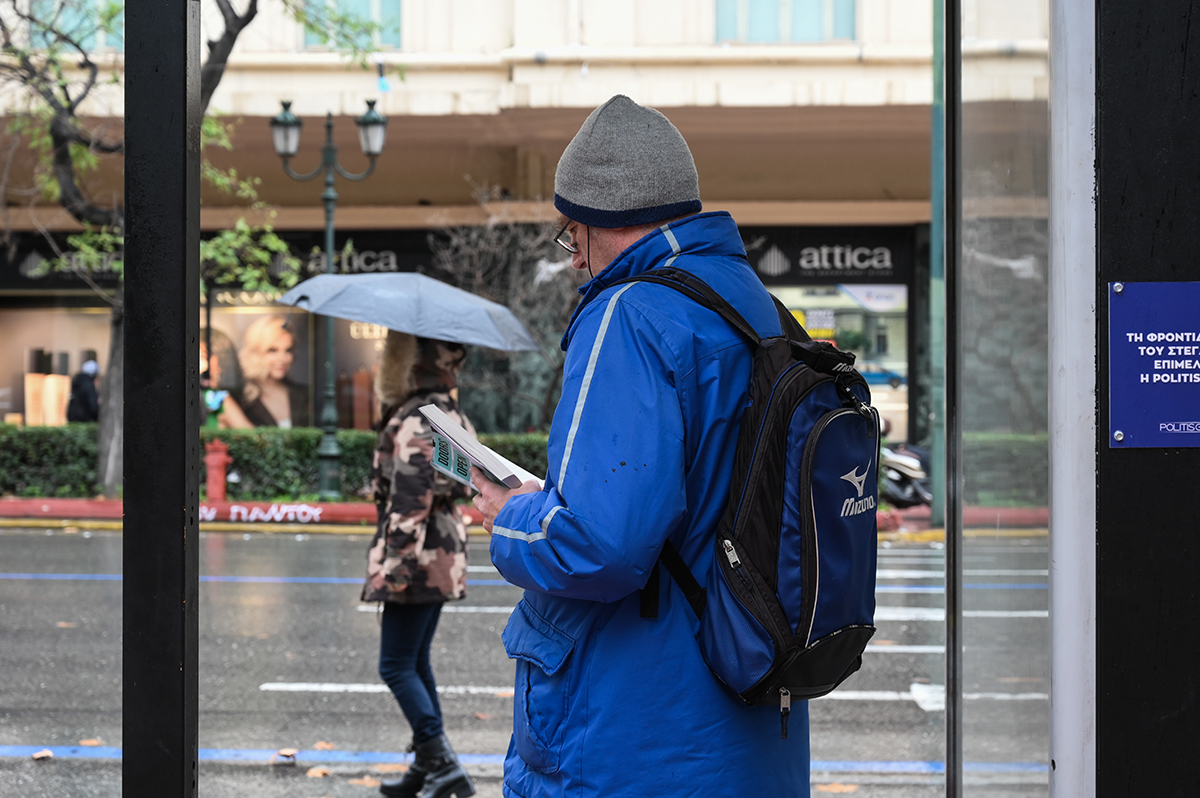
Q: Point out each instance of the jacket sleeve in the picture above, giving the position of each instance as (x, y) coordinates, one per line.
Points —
(411, 486)
(615, 488)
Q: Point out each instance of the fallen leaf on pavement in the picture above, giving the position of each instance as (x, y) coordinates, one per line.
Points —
(482, 716)
(837, 788)
(317, 773)
(45, 753)
(66, 624)
(321, 745)
(390, 767)
(286, 754)
(366, 781)
(91, 742)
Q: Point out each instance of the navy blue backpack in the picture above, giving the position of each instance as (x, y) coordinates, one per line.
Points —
(789, 606)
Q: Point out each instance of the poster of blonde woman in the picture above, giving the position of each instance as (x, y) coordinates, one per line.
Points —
(271, 393)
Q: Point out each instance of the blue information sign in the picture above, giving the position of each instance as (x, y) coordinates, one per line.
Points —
(1154, 365)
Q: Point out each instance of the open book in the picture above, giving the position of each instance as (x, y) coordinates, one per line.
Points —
(455, 450)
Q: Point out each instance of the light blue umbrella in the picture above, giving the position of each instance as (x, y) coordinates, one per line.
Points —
(415, 304)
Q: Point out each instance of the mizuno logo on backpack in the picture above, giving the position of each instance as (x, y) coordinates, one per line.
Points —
(852, 507)
(789, 604)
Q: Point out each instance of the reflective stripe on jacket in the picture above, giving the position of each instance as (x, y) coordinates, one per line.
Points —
(608, 703)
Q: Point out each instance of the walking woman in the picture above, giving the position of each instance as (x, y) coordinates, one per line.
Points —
(418, 559)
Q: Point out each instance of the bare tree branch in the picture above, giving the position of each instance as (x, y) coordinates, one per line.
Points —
(219, 49)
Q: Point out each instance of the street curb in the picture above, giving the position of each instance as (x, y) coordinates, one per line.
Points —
(939, 535)
(476, 534)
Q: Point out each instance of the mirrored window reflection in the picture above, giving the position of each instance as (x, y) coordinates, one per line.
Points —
(1003, 357)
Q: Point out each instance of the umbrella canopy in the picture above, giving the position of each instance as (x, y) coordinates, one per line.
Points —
(415, 304)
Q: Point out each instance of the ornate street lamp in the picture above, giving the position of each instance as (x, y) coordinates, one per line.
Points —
(285, 135)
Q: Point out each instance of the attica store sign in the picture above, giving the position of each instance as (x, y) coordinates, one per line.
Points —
(798, 255)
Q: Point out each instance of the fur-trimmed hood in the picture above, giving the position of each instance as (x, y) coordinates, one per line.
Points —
(412, 364)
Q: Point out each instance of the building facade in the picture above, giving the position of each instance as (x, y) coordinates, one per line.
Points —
(809, 121)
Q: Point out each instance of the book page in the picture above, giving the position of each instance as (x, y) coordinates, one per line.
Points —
(455, 450)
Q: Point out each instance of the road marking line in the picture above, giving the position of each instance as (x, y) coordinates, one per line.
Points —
(264, 580)
(451, 608)
(262, 755)
(895, 573)
(876, 648)
(882, 613)
(374, 687)
(939, 614)
(929, 697)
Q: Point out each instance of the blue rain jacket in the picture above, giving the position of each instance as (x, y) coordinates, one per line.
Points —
(608, 703)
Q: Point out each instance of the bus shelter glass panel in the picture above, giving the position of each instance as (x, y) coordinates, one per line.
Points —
(60, 580)
(1003, 360)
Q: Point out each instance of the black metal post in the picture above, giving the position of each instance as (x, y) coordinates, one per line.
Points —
(162, 395)
(329, 453)
(1147, 552)
(952, 131)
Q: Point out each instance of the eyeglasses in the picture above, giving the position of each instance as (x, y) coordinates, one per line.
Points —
(569, 246)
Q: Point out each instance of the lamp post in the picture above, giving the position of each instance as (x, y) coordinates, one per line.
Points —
(285, 134)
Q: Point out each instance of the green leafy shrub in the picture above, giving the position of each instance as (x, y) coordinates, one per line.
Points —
(1002, 469)
(271, 463)
(526, 449)
(48, 461)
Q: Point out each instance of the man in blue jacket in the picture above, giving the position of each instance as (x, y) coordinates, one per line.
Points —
(607, 702)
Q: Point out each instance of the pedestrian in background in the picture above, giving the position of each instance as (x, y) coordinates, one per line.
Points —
(418, 558)
(609, 702)
(84, 405)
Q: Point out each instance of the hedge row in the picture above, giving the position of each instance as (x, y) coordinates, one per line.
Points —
(268, 463)
(48, 461)
(1006, 469)
(276, 464)
(1001, 469)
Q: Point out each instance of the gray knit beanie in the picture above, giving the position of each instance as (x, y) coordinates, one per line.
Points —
(627, 165)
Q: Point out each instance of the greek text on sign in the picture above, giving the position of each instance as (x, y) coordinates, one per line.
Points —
(1154, 365)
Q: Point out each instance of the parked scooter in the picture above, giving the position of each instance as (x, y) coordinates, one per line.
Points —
(903, 477)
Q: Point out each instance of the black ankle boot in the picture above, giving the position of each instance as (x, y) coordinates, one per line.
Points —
(408, 785)
(445, 775)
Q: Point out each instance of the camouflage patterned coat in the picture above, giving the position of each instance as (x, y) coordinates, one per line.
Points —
(420, 544)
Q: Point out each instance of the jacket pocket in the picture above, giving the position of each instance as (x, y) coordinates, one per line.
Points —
(542, 651)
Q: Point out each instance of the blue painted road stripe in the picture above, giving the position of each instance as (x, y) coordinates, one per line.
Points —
(273, 580)
(259, 755)
(353, 580)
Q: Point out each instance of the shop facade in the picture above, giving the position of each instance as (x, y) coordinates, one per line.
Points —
(847, 284)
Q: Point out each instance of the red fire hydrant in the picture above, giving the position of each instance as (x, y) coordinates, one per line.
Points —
(216, 460)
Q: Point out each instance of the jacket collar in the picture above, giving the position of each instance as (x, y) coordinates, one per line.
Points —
(712, 233)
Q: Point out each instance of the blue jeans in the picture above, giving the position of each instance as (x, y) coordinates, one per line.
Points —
(404, 665)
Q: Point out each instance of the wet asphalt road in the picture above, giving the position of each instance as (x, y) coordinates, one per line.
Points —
(288, 659)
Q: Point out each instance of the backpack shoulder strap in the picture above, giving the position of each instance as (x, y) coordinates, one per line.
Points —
(820, 356)
(693, 287)
(696, 595)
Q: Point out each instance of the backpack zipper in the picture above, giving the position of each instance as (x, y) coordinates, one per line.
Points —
(785, 710)
(731, 553)
(789, 375)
